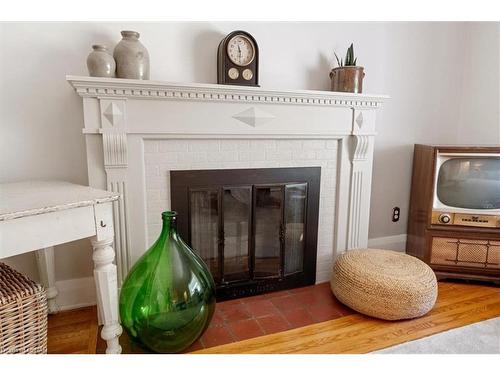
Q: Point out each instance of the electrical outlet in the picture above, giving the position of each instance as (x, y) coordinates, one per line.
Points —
(395, 214)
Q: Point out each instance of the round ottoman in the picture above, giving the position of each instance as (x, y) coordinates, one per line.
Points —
(384, 284)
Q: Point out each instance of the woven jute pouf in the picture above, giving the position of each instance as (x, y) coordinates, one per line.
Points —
(384, 284)
(23, 314)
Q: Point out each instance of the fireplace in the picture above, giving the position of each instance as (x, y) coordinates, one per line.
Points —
(256, 229)
(138, 132)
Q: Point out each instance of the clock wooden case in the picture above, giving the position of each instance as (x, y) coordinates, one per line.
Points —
(238, 60)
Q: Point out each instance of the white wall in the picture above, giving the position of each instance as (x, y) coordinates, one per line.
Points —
(479, 120)
(421, 65)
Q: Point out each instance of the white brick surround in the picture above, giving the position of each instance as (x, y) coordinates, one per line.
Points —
(162, 156)
(137, 131)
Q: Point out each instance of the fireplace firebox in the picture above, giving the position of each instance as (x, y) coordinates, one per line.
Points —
(256, 229)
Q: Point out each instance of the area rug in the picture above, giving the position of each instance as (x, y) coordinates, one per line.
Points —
(478, 338)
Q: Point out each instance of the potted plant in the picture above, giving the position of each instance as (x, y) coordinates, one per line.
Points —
(347, 77)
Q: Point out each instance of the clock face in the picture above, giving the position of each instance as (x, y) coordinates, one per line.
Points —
(240, 50)
(233, 73)
(247, 74)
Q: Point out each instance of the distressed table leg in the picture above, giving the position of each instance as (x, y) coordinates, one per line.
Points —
(107, 292)
(46, 269)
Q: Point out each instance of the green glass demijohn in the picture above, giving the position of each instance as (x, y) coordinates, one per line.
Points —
(168, 297)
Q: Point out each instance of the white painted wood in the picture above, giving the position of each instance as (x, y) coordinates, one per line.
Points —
(76, 293)
(104, 220)
(29, 233)
(40, 214)
(145, 89)
(107, 293)
(362, 142)
(122, 116)
(46, 269)
(342, 197)
(37, 197)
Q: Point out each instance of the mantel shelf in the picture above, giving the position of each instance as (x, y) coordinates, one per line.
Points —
(142, 89)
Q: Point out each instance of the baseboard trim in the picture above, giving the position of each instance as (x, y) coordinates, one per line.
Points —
(75, 293)
(397, 243)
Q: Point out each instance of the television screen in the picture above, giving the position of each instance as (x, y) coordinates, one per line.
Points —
(470, 182)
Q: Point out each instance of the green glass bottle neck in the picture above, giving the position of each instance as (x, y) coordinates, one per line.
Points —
(169, 227)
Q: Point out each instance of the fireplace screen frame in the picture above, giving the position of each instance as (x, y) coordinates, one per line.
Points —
(184, 181)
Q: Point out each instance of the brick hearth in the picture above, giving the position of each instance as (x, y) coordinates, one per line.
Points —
(261, 315)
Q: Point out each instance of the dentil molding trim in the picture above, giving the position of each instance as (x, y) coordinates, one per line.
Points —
(97, 87)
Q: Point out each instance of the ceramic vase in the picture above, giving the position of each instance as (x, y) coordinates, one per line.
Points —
(100, 63)
(132, 58)
(168, 298)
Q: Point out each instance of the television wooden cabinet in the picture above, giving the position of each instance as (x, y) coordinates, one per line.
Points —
(458, 240)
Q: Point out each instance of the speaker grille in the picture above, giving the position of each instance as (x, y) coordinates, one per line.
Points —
(465, 252)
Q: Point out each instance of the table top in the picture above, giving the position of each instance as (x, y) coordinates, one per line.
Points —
(29, 198)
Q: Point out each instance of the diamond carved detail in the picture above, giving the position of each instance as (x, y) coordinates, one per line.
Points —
(254, 117)
(359, 120)
(113, 114)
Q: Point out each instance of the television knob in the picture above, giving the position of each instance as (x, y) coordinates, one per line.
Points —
(444, 218)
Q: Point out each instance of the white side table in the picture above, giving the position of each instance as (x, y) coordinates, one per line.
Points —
(41, 214)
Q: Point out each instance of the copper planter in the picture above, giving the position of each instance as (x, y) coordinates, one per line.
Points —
(347, 79)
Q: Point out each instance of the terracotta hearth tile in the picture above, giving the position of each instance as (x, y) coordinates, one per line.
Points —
(286, 302)
(309, 298)
(235, 313)
(304, 289)
(343, 309)
(322, 286)
(332, 302)
(325, 287)
(222, 307)
(197, 345)
(246, 329)
(273, 324)
(218, 318)
(258, 297)
(214, 336)
(249, 317)
(321, 313)
(298, 317)
(261, 308)
(231, 302)
(280, 293)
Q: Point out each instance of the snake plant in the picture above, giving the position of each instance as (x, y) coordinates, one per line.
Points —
(350, 60)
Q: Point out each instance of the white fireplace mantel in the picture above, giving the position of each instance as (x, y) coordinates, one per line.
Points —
(136, 131)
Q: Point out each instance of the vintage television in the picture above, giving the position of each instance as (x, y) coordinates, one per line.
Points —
(454, 218)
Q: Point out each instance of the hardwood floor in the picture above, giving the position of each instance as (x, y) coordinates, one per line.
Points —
(458, 304)
(73, 332)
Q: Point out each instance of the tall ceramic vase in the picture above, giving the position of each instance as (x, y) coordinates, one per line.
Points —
(168, 297)
(132, 58)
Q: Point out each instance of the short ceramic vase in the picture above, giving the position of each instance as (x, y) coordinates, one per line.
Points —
(100, 63)
(168, 297)
(132, 58)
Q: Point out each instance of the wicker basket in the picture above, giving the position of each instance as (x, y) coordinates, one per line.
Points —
(23, 314)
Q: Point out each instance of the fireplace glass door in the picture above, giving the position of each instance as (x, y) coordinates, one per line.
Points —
(236, 233)
(254, 237)
(204, 217)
